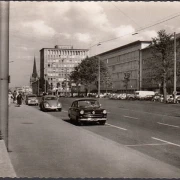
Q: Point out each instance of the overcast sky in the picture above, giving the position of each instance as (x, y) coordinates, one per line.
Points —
(37, 25)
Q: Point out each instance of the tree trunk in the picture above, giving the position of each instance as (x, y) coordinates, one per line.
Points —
(164, 87)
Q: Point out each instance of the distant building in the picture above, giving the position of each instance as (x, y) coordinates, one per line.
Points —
(34, 80)
(125, 59)
(57, 63)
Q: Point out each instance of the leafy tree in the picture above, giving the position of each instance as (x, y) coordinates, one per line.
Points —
(126, 80)
(161, 63)
(86, 72)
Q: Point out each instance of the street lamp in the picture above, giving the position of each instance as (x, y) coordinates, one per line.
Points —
(99, 74)
(45, 82)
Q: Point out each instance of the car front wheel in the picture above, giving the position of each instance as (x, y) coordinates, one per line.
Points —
(59, 109)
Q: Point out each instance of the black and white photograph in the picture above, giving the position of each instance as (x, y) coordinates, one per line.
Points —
(90, 89)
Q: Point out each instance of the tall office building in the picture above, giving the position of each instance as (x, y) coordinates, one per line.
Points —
(57, 63)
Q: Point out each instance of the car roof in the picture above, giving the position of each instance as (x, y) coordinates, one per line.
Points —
(86, 99)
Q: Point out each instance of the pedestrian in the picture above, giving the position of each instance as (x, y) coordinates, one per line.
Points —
(14, 96)
(19, 99)
(10, 96)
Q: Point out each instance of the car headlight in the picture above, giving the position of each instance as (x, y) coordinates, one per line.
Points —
(81, 112)
(104, 112)
(46, 105)
(59, 104)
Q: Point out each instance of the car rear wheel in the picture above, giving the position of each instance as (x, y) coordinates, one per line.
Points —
(102, 122)
(59, 109)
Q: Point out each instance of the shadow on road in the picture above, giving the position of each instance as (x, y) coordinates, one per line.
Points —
(82, 124)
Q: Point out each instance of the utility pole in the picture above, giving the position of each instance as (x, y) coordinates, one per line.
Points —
(175, 67)
(99, 73)
(4, 69)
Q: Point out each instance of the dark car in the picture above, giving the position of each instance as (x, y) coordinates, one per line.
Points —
(87, 110)
(31, 99)
(50, 102)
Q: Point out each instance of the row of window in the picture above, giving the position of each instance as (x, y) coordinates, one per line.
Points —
(66, 52)
(121, 75)
(125, 67)
(74, 60)
(60, 65)
(124, 57)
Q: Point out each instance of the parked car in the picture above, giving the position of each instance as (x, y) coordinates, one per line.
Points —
(170, 99)
(87, 110)
(50, 102)
(130, 96)
(31, 99)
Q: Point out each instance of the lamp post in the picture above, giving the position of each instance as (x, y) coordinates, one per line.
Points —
(99, 73)
(45, 83)
(175, 68)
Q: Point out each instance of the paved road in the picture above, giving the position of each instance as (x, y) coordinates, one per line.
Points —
(148, 127)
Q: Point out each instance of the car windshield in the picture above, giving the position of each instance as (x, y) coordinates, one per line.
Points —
(50, 98)
(88, 103)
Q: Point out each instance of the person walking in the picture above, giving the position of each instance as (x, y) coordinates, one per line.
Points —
(10, 96)
(14, 96)
(19, 99)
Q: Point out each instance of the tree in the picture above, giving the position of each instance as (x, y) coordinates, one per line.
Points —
(126, 80)
(86, 72)
(161, 63)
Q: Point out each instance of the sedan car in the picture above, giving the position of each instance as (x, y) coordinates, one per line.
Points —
(50, 102)
(87, 110)
(31, 99)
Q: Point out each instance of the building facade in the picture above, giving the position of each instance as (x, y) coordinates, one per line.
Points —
(57, 63)
(123, 60)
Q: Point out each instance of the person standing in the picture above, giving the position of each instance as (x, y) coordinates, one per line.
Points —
(14, 96)
(19, 99)
(10, 96)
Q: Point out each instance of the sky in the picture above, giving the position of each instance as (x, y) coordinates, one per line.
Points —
(37, 25)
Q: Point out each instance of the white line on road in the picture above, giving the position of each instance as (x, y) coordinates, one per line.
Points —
(64, 111)
(130, 117)
(168, 125)
(116, 127)
(166, 115)
(166, 141)
(148, 144)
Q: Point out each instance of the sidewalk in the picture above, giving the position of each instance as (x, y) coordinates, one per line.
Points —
(6, 168)
(46, 146)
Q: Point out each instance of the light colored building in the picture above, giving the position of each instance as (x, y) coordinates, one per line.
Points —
(125, 59)
(57, 63)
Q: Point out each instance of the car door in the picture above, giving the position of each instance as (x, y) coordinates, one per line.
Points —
(73, 110)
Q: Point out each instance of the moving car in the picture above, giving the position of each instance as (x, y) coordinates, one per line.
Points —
(50, 102)
(87, 110)
(31, 99)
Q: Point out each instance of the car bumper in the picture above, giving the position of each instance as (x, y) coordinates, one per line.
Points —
(32, 103)
(92, 119)
(52, 108)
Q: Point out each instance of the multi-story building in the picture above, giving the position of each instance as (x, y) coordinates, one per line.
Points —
(57, 63)
(148, 83)
(122, 60)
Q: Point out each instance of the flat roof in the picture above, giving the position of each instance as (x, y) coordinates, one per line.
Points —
(63, 49)
(124, 46)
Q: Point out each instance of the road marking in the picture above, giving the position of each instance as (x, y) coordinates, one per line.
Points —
(166, 141)
(168, 125)
(148, 144)
(130, 117)
(166, 115)
(116, 127)
(64, 111)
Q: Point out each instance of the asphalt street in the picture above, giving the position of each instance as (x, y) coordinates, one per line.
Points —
(140, 139)
(149, 127)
